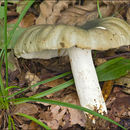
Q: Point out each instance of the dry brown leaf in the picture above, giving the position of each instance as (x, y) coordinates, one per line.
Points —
(61, 116)
(46, 9)
(33, 126)
(107, 89)
(28, 20)
(125, 80)
(64, 12)
(89, 5)
(13, 21)
(75, 11)
(51, 11)
(32, 79)
(53, 117)
(54, 83)
(99, 61)
(119, 108)
(118, 105)
(12, 14)
(24, 126)
(72, 18)
(27, 108)
(60, 6)
(115, 2)
(76, 116)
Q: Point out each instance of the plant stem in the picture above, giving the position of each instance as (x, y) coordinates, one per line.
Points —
(5, 40)
(98, 8)
(5, 93)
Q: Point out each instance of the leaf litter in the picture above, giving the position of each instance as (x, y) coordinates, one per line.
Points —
(57, 117)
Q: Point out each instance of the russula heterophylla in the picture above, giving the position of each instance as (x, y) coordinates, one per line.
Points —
(45, 41)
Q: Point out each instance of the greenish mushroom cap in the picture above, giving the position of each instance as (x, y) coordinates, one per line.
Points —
(100, 34)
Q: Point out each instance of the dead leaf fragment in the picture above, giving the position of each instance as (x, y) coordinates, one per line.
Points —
(51, 11)
(53, 117)
(28, 20)
(32, 79)
(89, 5)
(125, 80)
(27, 108)
(46, 10)
(99, 61)
(107, 89)
(115, 2)
(76, 116)
(61, 116)
(54, 83)
(71, 17)
(33, 126)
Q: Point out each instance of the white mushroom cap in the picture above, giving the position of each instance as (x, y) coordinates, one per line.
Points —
(100, 34)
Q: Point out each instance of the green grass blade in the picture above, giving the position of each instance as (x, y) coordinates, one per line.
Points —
(1, 85)
(9, 122)
(54, 89)
(5, 39)
(20, 18)
(98, 8)
(17, 23)
(35, 120)
(113, 69)
(13, 125)
(1, 81)
(108, 63)
(39, 83)
(1, 12)
(10, 87)
(19, 100)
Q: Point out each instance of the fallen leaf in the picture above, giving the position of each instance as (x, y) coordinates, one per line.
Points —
(24, 126)
(124, 81)
(53, 117)
(115, 2)
(72, 18)
(46, 9)
(27, 108)
(57, 116)
(51, 11)
(33, 126)
(28, 20)
(89, 5)
(107, 89)
(76, 116)
(99, 61)
(32, 79)
(54, 83)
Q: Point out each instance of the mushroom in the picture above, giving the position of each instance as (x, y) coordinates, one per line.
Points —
(48, 41)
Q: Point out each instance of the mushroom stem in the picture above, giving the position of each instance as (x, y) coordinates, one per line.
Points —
(86, 80)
